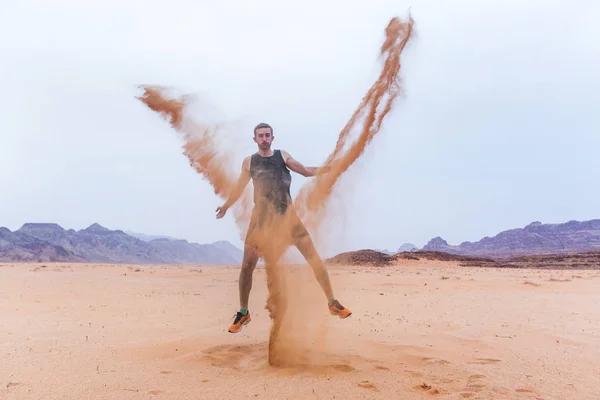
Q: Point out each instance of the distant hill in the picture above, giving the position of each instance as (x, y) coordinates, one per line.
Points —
(20, 247)
(50, 242)
(377, 258)
(577, 261)
(229, 248)
(147, 238)
(534, 239)
(573, 244)
(405, 247)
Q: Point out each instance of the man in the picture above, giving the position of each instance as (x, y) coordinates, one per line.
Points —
(274, 219)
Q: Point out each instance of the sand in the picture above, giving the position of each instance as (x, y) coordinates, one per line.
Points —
(80, 331)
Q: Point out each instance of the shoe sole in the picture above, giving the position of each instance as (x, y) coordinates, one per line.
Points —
(243, 323)
(338, 314)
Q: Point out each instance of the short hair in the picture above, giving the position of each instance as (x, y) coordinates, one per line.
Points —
(262, 125)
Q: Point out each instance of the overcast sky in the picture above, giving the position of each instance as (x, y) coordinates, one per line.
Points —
(498, 124)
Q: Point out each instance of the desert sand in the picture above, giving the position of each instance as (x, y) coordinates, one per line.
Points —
(418, 331)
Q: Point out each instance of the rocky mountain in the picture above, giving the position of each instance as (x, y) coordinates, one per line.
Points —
(147, 238)
(577, 261)
(376, 258)
(383, 251)
(20, 247)
(229, 248)
(534, 239)
(171, 244)
(407, 247)
(404, 248)
(182, 252)
(51, 242)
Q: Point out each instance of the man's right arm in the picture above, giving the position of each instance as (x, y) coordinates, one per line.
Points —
(237, 190)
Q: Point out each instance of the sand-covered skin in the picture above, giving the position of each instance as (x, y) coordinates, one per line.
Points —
(439, 331)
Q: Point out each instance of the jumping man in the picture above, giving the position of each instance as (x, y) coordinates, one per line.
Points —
(273, 211)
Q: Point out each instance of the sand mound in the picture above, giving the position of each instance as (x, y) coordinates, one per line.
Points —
(362, 257)
(376, 258)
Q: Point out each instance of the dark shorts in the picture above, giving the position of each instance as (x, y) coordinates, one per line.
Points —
(274, 230)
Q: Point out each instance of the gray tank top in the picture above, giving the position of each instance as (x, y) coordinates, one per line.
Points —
(271, 180)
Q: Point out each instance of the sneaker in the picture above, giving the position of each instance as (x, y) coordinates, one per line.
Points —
(239, 322)
(337, 309)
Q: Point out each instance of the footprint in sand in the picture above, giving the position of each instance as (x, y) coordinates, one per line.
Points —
(476, 376)
(430, 360)
(485, 361)
(426, 388)
(367, 385)
(501, 390)
(524, 390)
(475, 387)
(235, 356)
(341, 367)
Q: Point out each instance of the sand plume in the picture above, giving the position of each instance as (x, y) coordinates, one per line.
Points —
(367, 119)
(374, 107)
(201, 147)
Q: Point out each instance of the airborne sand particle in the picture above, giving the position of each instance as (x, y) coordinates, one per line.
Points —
(314, 195)
(201, 148)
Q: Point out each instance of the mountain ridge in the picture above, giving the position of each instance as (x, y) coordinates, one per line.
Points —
(47, 242)
(535, 238)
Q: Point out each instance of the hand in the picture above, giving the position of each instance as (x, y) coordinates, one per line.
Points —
(221, 211)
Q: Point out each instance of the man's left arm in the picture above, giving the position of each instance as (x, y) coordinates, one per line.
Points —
(299, 168)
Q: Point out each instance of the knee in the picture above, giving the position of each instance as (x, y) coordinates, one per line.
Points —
(247, 268)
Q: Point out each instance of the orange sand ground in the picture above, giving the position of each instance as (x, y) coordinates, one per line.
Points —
(418, 331)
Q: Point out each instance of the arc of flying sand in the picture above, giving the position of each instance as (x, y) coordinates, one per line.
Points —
(314, 195)
(390, 70)
(200, 147)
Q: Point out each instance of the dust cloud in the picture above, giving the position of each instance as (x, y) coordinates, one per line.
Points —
(290, 337)
(201, 147)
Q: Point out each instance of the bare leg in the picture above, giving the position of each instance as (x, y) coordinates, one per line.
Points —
(245, 280)
(307, 248)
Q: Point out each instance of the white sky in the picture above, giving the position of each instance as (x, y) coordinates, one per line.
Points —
(498, 125)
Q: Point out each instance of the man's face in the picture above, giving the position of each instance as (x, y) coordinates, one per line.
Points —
(263, 137)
